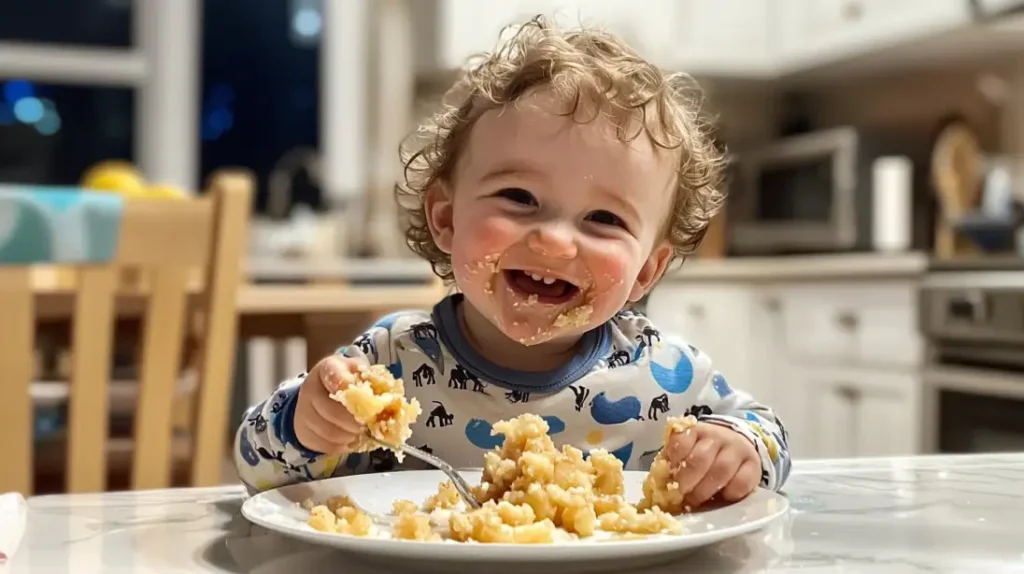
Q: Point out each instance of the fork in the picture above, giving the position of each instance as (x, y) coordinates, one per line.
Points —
(464, 489)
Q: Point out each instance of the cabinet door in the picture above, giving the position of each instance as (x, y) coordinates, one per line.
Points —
(722, 38)
(463, 28)
(870, 324)
(843, 413)
(813, 32)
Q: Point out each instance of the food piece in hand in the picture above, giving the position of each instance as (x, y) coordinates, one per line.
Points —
(660, 488)
(377, 399)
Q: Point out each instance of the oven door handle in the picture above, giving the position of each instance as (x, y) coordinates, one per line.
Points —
(983, 382)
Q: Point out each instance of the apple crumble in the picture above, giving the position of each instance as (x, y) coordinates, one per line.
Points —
(532, 493)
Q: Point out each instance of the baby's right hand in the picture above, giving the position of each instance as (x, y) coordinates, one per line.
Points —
(321, 423)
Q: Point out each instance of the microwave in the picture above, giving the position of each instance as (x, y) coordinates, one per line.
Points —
(811, 192)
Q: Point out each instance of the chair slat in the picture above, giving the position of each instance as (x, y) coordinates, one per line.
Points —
(161, 363)
(220, 327)
(89, 405)
(16, 365)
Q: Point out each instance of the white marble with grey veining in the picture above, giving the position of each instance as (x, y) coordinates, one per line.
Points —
(902, 515)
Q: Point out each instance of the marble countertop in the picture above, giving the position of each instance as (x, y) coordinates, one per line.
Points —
(930, 514)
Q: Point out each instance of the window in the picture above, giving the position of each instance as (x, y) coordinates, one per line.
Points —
(50, 134)
(99, 23)
(260, 96)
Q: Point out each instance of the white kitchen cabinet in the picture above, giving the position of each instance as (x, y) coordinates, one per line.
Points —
(808, 33)
(849, 353)
(722, 38)
(872, 323)
(450, 31)
(852, 412)
(837, 353)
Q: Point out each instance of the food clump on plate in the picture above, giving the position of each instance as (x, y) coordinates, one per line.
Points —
(535, 493)
(377, 399)
(339, 515)
(660, 488)
(532, 493)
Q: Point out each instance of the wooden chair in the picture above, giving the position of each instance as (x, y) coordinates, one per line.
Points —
(165, 240)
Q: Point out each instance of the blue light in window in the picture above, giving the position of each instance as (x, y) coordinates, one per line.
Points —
(222, 119)
(28, 110)
(307, 22)
(49, 124)
(15, 90)
(221, 95)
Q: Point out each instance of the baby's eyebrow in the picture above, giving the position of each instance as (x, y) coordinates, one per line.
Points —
(514, 167)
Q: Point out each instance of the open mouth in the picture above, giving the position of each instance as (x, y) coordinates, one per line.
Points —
(545, 289)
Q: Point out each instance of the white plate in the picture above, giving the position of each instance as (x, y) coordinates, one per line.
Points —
(280, 510)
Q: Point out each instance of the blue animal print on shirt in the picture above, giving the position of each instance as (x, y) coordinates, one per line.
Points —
(425, 336)
(677, 378)
(720, 385)
(607, 412)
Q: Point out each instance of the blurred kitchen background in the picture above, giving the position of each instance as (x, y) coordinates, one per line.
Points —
(866, 277)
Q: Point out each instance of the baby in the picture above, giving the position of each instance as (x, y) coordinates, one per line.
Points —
(560, 178)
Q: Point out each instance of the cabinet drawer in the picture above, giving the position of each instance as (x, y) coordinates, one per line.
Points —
(823, 30)
(864, 324)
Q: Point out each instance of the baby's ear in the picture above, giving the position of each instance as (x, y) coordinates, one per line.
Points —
(651, 271)
(438, 207)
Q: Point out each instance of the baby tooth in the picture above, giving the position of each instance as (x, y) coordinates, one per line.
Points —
(535, 277)
(548, 280)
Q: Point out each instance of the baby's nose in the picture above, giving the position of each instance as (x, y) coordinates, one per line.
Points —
(552, 241)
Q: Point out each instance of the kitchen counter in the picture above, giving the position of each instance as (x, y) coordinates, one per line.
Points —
(839, 266)
(891, 516)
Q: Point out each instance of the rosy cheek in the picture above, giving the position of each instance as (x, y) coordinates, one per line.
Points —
(479, 238)
(491, 235)
(610, 271)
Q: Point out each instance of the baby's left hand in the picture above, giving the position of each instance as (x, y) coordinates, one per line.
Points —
(712, 459)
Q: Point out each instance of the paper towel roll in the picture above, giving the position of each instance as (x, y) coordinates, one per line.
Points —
(892, 203)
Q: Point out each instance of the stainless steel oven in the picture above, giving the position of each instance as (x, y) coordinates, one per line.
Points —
(974, 378)
(812, 192)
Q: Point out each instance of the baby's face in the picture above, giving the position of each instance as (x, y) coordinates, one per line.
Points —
(555, 224)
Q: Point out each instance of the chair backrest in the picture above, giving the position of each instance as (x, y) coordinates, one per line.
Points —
(167, 240)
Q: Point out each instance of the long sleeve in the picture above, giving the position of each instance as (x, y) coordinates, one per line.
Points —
(721, 404)
(267, 452)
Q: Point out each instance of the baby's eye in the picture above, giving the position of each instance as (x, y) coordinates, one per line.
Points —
(606, 218)
(518, 195)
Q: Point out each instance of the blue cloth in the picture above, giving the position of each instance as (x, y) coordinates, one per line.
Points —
(65, 225)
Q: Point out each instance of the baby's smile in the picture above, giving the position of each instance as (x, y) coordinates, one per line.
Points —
(542, 287)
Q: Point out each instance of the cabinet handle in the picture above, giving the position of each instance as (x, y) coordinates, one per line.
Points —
(773, 304)
(847, 321)
(696, 311)
(849, 392)
(852, 10)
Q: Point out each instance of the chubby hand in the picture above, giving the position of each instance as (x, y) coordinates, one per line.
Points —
(322, 424)
(710, 459)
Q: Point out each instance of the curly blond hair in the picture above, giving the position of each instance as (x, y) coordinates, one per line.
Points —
(587, 69)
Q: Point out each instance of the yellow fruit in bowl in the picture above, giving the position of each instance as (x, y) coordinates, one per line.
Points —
(115, 176)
